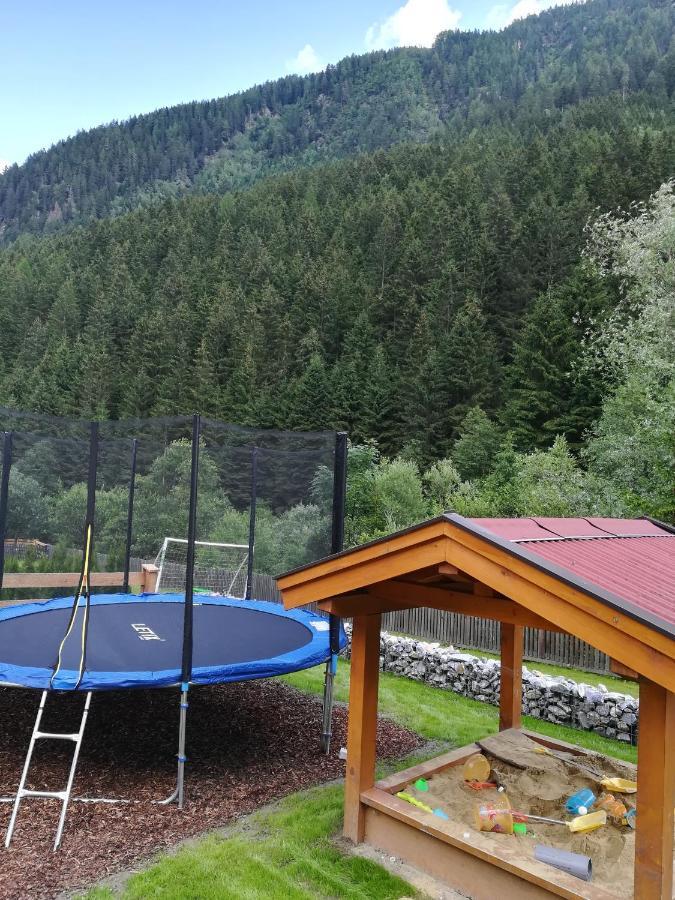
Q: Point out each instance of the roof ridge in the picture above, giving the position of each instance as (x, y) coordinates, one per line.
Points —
(587, 537)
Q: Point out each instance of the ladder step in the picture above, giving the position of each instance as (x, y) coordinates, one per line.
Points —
(57, 795)
(64, 796)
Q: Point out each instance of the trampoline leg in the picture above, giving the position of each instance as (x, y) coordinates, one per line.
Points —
(178, 794)
(180, 784)
(327, 733)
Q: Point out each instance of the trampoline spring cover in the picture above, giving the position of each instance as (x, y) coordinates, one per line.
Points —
(136, 641)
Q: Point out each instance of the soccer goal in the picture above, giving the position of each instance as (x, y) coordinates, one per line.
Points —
(219, 568)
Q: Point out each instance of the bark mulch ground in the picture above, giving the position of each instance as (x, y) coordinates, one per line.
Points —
(248, 744)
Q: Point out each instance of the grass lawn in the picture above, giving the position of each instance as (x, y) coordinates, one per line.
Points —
(288, 852)
(440, 715)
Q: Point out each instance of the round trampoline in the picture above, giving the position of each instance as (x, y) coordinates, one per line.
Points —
(136, 641)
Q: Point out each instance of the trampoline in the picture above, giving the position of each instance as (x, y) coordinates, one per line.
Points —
(191, 477)
(136, 641)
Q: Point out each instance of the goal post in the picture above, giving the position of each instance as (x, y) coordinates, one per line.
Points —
(219, 568)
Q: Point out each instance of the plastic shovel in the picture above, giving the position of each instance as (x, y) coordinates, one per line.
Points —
(620, 785)
(578, 825)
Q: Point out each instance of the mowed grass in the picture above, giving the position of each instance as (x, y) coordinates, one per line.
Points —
(440, 715)
(290, 851)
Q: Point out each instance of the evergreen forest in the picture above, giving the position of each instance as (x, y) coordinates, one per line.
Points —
(462, 256)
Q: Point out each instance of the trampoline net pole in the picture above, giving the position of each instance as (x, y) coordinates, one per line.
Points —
(189, 596)
(251, 523)
(4, 496)
(337, 543)
(130, 516)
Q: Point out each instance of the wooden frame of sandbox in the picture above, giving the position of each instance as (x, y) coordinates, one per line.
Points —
(449, 563)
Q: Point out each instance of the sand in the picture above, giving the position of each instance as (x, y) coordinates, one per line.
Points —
(542, 789)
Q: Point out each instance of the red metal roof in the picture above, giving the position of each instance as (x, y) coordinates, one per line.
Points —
(634, 559)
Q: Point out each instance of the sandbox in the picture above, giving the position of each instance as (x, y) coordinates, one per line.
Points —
(487, 864)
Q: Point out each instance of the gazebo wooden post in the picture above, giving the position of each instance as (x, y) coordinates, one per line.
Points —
(656, 795)
(362, 733)
(511, 683)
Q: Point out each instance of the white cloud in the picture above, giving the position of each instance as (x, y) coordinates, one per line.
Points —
(502, 14)
(4, 164)
(306, 60)
(415, 24)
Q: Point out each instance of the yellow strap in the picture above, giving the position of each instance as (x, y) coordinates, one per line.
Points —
(84, 586)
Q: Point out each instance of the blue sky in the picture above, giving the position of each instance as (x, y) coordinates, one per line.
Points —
(74, 64)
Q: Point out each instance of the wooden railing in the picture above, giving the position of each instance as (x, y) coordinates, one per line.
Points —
(146, 579)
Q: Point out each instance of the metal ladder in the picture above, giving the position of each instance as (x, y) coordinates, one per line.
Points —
(63, 796)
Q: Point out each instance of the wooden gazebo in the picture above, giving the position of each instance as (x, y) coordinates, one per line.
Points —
(608, 582)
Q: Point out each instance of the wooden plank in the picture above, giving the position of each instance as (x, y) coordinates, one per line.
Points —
(23, 580)
(447, 569)
(469, 604)
(505, 866)
(361, 603)
(396, 781)
(362, 728)
(617, 668)
(656, 778)
(338, 565)
(511, 676)
(390, 565)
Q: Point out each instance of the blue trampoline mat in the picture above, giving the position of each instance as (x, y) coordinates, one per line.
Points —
(137, 641)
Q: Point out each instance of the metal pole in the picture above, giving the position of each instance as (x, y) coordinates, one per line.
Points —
(339, 492)
(130, 516)
(337, 543)
(4, 496)
(187, 621)
(89, 537)
(251, 522)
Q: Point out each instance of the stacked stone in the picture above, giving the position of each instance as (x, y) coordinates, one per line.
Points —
(555, 699)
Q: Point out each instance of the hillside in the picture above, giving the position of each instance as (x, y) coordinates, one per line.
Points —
(522, 75)
(381, 294)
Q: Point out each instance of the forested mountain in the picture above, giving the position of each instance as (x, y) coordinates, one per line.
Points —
(382, 294)
(531, 70)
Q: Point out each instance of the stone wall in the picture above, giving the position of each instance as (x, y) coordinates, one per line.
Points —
(554, 698)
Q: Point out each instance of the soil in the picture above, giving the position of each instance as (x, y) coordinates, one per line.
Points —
(248, 744)
(541, 788)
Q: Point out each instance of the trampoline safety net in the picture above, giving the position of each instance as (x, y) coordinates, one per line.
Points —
(222, 508)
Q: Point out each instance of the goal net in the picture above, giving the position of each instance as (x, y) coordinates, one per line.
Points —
(219, 568)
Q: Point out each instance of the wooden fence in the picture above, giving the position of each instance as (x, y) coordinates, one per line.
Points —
(481, 634)
(468, 632)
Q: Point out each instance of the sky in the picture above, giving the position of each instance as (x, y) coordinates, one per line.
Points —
(69, 65)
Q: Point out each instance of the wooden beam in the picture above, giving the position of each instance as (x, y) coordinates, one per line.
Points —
(511, 677)
(617, 668)
(656, 795)
(447, 569)
(485, 607)
(400, 554)
(360, 604)
(362, 729)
